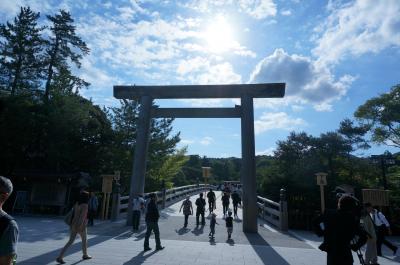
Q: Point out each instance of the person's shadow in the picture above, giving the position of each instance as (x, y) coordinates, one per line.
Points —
(182, 231)
(231, 242)
(198, 230)
(139, 258)
(212, 241)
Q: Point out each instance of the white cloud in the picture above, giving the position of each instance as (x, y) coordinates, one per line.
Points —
(258, 9)
(286, 12)
(358, 27)
(306, 81)
(206, 140)
(278, 120)
(267, 152)
(186, 141)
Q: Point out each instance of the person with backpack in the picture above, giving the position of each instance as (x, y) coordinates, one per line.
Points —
(339, 228)
(225, 202)
(229, 224)
(137, 208)
(382, 227)
(8, 226)
(211, 200)
(201, 205)
(187, 209)
(236, 200)
(152, 216)
(78, 226)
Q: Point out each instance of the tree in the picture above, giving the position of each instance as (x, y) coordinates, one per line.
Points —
(382, 116)
(63, 45)
(354, 134)
(21, 55)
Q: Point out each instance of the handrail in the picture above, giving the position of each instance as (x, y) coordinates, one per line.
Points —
(274, 212)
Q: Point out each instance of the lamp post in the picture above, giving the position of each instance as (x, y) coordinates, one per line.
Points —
(321, 181)
(383, 160)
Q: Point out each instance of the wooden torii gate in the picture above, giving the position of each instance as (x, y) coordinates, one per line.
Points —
(246, 93)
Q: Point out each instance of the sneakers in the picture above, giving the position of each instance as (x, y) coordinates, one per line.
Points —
(84, 257)
(147, 249)
(60, 260)
(160, 248)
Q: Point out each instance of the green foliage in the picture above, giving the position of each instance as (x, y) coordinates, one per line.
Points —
(21, 49)
(382, 116)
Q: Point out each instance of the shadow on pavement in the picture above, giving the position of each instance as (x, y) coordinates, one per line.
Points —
(182, 231)
(52, 255)
(140, 258)
(198, 230)
(267, 254)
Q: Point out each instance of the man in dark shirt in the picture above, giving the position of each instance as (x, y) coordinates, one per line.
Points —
(339, 229)
(229, 224)
(236, 200)
(225, 202)
(211, 200)
(152, 216)
(8, 227)
(201, 205)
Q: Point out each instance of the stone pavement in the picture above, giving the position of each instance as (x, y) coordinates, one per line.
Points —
(113, 244)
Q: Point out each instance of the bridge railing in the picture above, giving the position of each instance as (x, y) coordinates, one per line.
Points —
(274, 213)
(169, 196)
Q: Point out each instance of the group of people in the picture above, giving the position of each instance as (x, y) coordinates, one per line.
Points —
(349, 228)
(200, 210)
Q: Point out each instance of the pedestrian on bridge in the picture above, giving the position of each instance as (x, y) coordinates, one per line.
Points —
(187, 209)
(152, 216)
(236, 200)
(201, 205)
(137, 208)
(225, 202)
(211, 200)
(78, 226)
(229, 224)
(213, 222)
(92, 207)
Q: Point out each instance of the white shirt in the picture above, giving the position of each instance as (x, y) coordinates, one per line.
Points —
(137, 204)
(379, 219)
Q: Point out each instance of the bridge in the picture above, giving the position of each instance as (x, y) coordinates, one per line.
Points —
(114, 243)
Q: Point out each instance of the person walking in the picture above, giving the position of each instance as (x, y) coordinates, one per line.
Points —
(187, 209)
(368, 225)
(236, 200)
(382, 228)
(152, 216)
(137, 208)
(211, 200)
(339, 228)
(78, 226)
(8, 226)
(213, 222)
(225, 202)
(92, 208)
(200, 209)
(229, 224)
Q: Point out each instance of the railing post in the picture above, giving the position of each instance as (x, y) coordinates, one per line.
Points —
(164, 197)
(116, 201)
(284, 211)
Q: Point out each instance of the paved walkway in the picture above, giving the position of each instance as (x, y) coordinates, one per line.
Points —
(114, 243)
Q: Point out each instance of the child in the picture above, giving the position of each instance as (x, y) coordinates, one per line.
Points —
(213, 221)
(229, 224)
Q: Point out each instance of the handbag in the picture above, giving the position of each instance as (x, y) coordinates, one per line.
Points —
(69, 216)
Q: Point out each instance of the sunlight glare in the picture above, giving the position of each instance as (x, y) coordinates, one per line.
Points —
(219, 35)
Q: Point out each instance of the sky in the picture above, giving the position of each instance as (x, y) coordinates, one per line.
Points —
(332, 55)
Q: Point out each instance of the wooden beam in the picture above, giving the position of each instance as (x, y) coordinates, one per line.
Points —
(267, 90)
(196, 112)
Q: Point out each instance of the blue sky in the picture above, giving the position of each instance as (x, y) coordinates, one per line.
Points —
(333, 56)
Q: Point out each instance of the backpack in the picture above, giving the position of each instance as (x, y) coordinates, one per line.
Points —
(4, 222)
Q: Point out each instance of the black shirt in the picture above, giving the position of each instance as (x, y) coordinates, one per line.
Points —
(200, 203)
(152, 214)
(229, 221)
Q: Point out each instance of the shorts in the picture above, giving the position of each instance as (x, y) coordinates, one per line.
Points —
(229, 229)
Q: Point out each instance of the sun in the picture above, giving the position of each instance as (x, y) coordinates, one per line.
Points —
(218, 35)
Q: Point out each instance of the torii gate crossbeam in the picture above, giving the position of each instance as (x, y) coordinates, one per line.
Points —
(246, 93)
